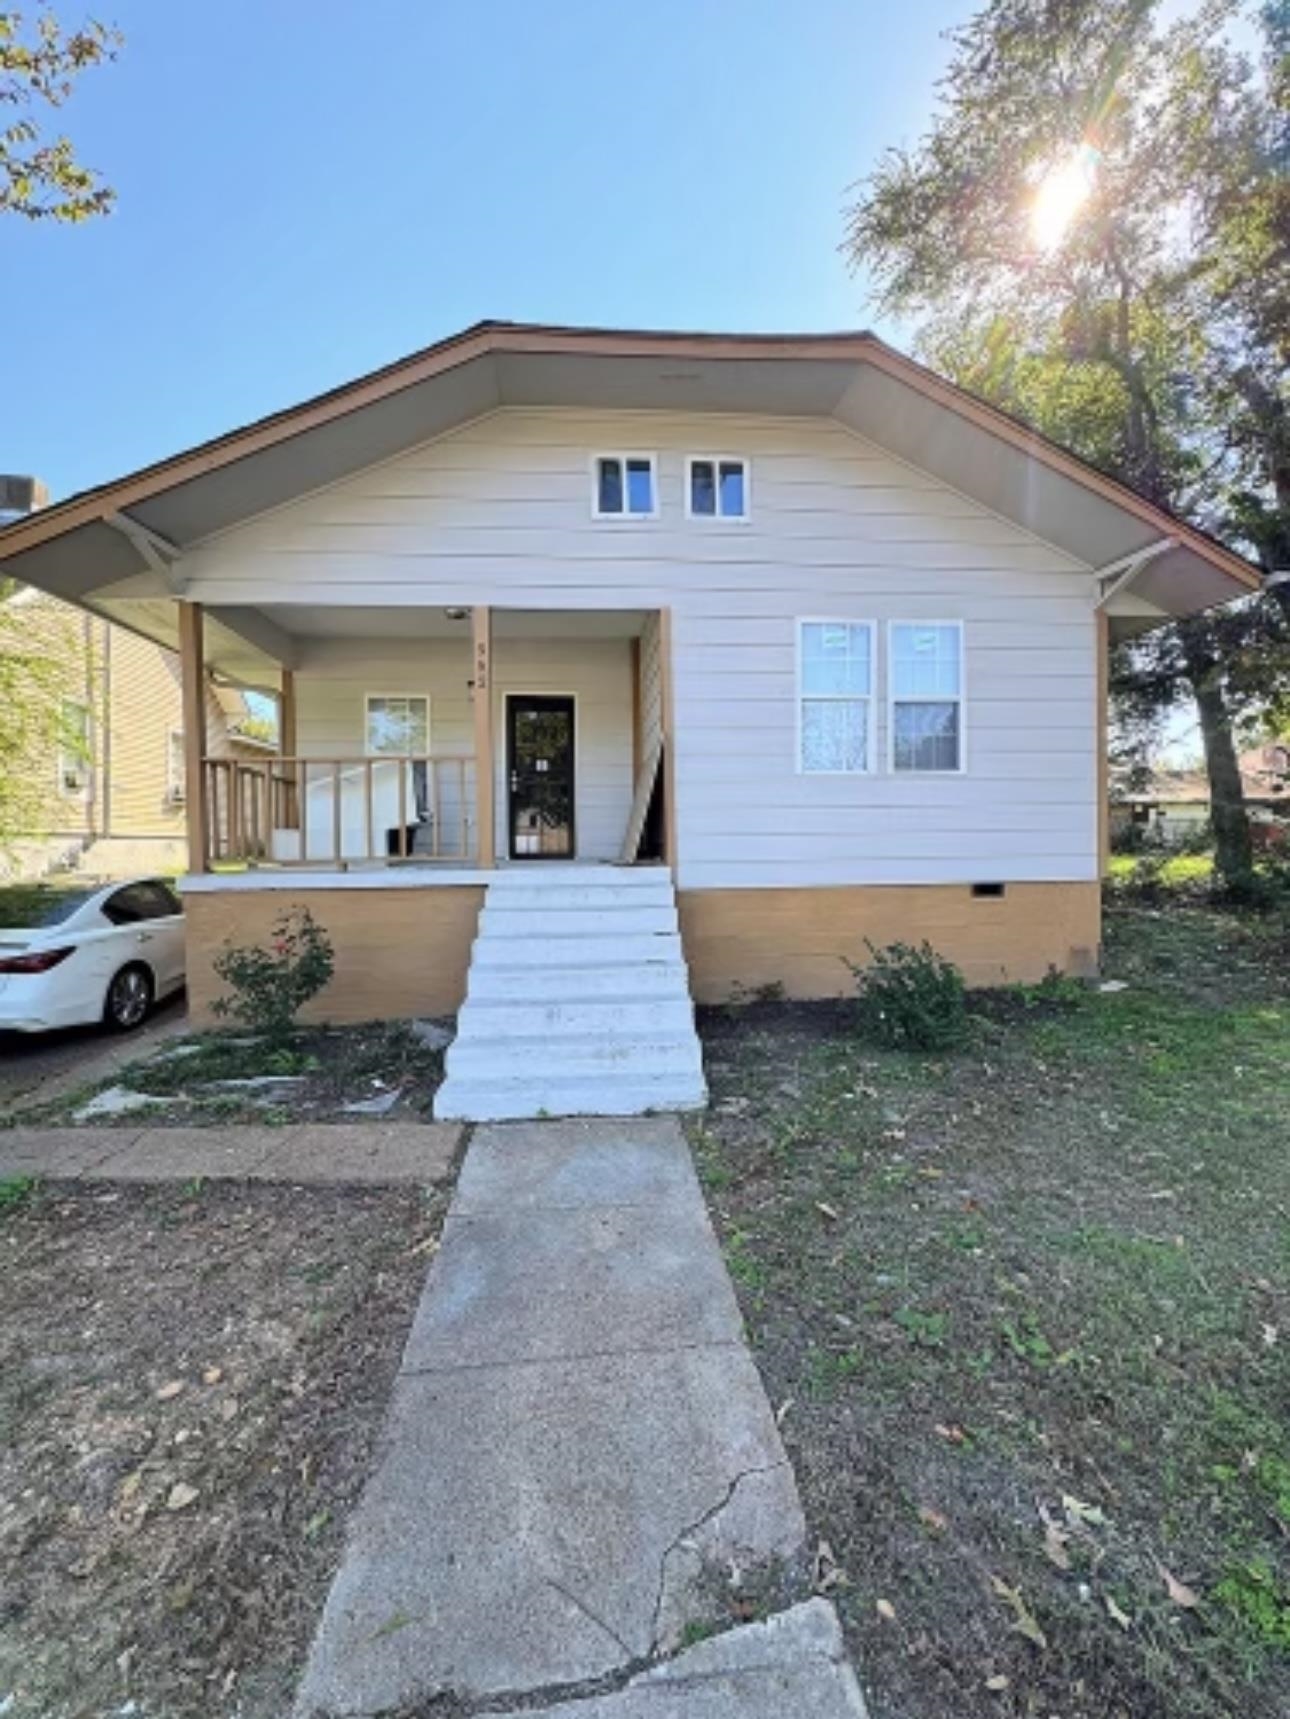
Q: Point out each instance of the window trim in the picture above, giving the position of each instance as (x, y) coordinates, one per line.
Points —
(892, 700)
(65, 757)
(176, 783)
(626, 517)
(367, 723)
(717, 461)
(870, 698)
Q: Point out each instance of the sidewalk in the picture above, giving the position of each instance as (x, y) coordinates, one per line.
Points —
(343, 1152)
(580, 1469)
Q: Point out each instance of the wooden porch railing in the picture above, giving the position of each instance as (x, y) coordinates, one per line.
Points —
(318, 811)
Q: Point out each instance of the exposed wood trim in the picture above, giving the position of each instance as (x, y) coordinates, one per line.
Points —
(193, 698)
(1102, 730)
(287, 715)
(670, 832)
(485, 338)
(481, 624)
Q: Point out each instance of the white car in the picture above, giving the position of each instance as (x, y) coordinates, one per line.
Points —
(105, 952)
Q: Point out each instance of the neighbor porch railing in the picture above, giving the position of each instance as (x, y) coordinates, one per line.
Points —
(340, 811)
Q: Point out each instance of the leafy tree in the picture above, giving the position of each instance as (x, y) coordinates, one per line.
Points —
(1056, 234)
(40, 61)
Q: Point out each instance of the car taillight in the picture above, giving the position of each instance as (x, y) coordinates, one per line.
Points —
(39, 962)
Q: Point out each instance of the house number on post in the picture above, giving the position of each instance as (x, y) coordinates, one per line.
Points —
(481, 665)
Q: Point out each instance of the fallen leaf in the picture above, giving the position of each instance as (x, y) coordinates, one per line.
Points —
(954, 1434)
(212, 1375)
(1122, 1618)
(1078, 1511)
(171, 1389)
(885, 1609)
(828, 1573)
(1055, 1540)
(1178, 1592)
(826, 1211)
(1024, 1621)
(181, 1495)
(932, 1519)
(997, 1682)
(781, 1412)
(228, 1409)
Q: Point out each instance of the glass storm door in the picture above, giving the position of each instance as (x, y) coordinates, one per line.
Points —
(540, 791)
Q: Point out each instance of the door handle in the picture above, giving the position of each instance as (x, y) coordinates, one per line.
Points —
(143, 937)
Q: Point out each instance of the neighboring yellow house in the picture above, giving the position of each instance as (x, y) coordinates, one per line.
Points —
(114, 798)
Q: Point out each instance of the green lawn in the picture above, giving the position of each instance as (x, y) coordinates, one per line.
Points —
(1025, 1311)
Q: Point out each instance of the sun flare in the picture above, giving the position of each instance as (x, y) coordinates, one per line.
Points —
(1062, 193)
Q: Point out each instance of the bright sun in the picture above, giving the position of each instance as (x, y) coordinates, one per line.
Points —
(1062, 193)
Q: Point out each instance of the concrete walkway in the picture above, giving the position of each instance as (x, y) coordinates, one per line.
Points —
(319, 1152)
(580, 1468)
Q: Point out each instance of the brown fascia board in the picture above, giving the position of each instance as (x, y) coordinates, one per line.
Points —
(486, 337)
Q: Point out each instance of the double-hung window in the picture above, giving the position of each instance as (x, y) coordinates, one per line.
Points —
(74, 745)
(398, 725)
(835, 696)
(925, 688)
(716, 487)
(624, 486)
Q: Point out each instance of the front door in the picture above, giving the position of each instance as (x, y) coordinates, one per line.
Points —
(540, 776)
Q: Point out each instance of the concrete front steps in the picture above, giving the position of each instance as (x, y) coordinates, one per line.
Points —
(578, 1000)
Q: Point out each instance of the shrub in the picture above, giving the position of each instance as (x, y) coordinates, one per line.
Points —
(911, 999)
(270, 986)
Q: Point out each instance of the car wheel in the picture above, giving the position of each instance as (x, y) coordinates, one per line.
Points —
(129, 998)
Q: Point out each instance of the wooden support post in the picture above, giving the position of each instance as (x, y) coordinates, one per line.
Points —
(287, 749)
(669, 738)
(485, 787)
(193, 684)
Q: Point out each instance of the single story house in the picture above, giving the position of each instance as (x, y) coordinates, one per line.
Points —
(817, 633)
(1172, 806)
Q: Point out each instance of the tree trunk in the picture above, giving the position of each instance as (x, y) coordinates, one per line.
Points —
(1233, 847)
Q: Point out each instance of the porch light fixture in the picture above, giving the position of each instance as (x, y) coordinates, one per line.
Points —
(456, 614)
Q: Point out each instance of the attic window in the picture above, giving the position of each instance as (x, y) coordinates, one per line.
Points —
(624, 486)
(716, 487)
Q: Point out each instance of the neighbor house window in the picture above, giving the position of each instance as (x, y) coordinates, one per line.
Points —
(716, 488)
(625, 486)
(398, 725)
(926, 691)
(176, 766)
(835, 696)
(74, 747)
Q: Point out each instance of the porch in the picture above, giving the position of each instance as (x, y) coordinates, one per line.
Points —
(439, 740)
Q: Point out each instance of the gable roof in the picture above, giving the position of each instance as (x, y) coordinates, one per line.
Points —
(79, 546)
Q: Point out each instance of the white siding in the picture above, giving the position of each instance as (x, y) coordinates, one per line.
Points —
(500, 512)
(335, 676)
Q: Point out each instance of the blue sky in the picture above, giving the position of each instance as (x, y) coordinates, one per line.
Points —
(310, 188)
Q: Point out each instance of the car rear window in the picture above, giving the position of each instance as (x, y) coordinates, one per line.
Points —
(31, 907)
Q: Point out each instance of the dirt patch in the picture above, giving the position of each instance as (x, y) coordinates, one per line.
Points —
(1025, 1314)
(191, 1385)
(386, 1067)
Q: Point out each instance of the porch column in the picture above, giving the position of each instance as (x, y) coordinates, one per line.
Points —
(485, 786)
(193, 699)
(289, 810)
